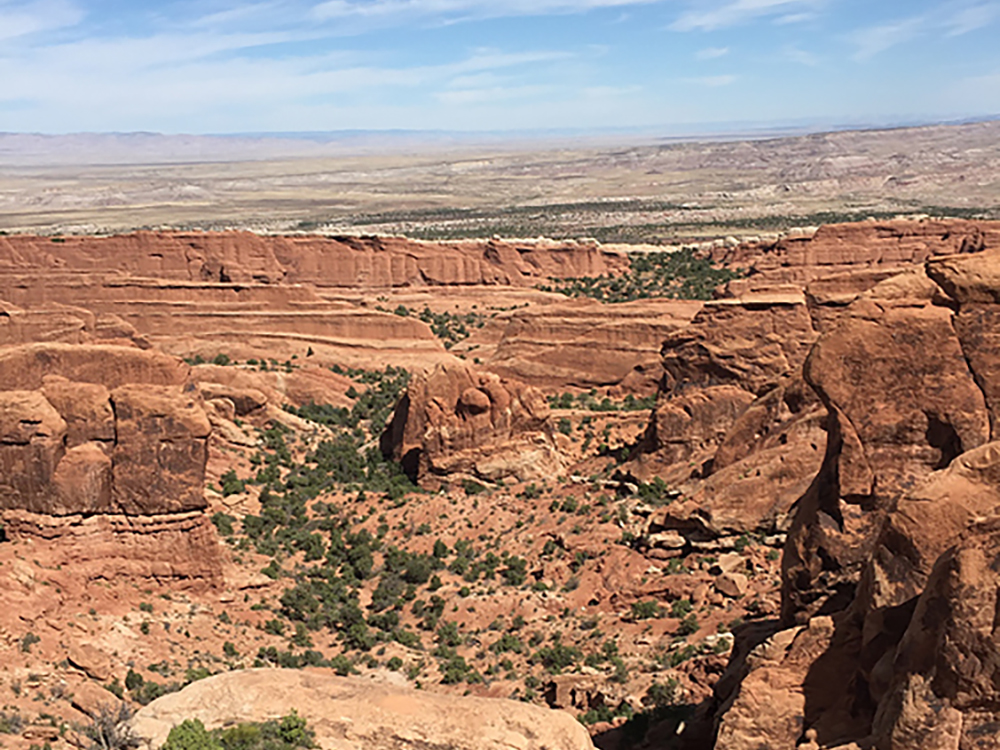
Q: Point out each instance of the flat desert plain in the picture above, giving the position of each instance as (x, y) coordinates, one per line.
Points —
(616, 188)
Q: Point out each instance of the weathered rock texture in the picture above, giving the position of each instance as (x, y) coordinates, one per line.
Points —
(458, 420)
(586, 344)
(104, 448)
(345, 262)
(889, 581)
(249, 295)
(351, 714)
(879, 246)
(75, 446)
(833, 377)
(170, 547)
(735, 428)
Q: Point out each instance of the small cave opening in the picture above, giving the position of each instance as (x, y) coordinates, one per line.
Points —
(943, 436)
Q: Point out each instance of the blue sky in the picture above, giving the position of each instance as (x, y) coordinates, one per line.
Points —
(217, 66)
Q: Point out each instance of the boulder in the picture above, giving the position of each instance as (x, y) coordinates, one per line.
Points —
(733, 585)
(765, 459)
(91, 660)
(243, 400)
(354, 713)
(461, 420)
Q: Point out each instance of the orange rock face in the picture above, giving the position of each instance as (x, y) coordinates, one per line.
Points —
(347, 262)
(582, 343)
(896, 536)
(88, 433)
(844, 395)
(847, 248)
(457, 420)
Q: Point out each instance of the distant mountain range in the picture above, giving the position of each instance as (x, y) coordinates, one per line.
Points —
(36, 149)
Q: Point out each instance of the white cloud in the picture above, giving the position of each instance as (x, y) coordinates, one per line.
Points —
(24, 19)
(737, 12)
(400, 10)
(874, 40)
(973, 18)
(172, 76)
(712, 53)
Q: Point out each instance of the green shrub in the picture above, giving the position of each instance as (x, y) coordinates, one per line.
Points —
(646, 610)
(556, 657)
(689, 625)
(231, 485)
(191, 734)
(676, 275)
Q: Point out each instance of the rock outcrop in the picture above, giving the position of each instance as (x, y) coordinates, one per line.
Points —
(586, 344)
(902, 402)
(139, 448)
(889, 589)
(345, 262)
(458, 420)
(104, 448)
(835, 249)
(735, 429)
(353, 713)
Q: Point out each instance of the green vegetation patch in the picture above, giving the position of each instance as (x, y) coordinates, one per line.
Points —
(676, 275)
(287, 733)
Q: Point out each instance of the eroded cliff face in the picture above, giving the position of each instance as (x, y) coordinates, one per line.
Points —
(104, 448)
(346, 262)
(887, 559)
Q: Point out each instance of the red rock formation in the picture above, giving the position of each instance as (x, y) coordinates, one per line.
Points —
(848, 248)
(94, 439)
(734, 429)
(751, 343)
(457, 420)
(375, 716)
(586, 344)
(891, 539)
(179, 547)
(25, 367)
(942, 689)
(902, 402)
(347, 262)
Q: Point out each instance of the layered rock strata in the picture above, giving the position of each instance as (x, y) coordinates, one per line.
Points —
(105, 448)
